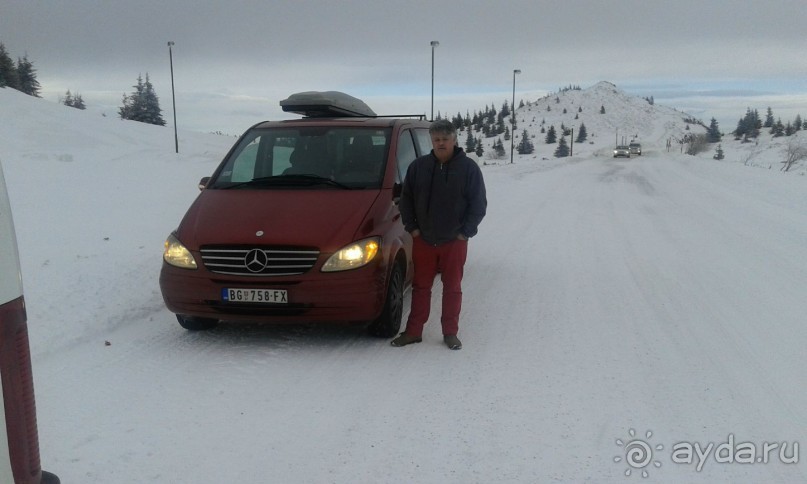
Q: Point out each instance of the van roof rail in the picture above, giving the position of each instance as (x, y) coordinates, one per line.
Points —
(418, 116)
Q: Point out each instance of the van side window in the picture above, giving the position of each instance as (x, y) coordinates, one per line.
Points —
(424, 141)
(406, 154)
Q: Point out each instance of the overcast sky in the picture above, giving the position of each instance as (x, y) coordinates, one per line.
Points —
(234, 61)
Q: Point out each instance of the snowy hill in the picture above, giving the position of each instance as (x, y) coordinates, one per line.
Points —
(629, 118)
(626, 118)
(608, 303)
(72, 176)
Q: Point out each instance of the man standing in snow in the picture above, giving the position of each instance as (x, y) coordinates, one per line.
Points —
(442, 203)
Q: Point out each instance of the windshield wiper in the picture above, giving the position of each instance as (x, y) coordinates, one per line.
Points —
(290, 180)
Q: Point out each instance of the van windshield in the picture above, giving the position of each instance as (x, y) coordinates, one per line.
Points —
(283, 158)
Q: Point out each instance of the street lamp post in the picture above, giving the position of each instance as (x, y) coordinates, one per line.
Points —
(434, 44)
(513, 115)
(173, 97)
(571, 143)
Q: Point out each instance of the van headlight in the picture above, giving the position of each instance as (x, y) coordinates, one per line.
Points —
(354, 255)
(177, 254)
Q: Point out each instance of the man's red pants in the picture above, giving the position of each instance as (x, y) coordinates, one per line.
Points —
(448, 259)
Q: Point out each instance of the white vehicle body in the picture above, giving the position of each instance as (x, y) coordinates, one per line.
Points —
(19, 441)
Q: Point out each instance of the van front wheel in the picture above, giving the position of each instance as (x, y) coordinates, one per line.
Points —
(389, 322)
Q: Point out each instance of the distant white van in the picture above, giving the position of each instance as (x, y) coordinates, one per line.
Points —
(19, 441)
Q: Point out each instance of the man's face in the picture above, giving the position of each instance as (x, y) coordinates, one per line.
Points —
(443, 144)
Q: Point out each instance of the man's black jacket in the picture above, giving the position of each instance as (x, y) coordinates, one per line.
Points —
(443, 200)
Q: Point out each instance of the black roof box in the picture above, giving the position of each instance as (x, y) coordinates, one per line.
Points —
(326, 104)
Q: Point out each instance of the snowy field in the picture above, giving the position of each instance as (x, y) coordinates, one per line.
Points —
(620, 315)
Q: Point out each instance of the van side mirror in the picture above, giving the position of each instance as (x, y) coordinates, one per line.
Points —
(203, 183)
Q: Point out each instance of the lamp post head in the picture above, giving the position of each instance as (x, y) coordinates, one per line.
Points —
(170, 43)
(434, 43)
(516, 71)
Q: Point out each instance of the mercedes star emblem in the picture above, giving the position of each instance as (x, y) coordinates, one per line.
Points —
(256, 260)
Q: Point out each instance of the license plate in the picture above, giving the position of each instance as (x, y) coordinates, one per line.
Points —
(261, 296)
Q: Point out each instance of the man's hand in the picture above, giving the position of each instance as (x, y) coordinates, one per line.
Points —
(461, 237)
(415, 233)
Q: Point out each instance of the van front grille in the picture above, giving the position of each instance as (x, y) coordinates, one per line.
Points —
(259, 261)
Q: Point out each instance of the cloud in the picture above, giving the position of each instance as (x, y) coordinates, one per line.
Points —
(240, 50)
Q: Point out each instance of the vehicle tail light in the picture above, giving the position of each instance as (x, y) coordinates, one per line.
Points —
(18, 393)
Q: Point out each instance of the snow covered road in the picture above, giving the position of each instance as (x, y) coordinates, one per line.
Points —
(656, 294)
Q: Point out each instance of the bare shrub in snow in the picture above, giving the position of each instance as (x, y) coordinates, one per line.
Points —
(794, 151)
(697, 144)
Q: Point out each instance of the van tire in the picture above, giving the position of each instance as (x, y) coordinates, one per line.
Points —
(388, 323)
(49, 478)
(196, 324)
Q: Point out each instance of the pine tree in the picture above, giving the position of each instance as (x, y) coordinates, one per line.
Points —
(480, 150)
(719, 153)
(797, 123)
(26, 75)
(507, 133)
(498, 148)
(768, 119)
(582, 134)
(153, 105)
(457, 121)
(142, 105)
(491, 115)
(551, 136)
(564, 130)
(470, 142)
(505, 111)
(713, 132)
(749, 125)
(74, 101)
(525, 146)
(500, 127)
(8, 72)
(562, 150)
(602, 109)
(739, 131)
(778, 129)
(78, 102)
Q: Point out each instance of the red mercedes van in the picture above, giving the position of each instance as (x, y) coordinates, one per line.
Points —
(19, 440)
(300, 222)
